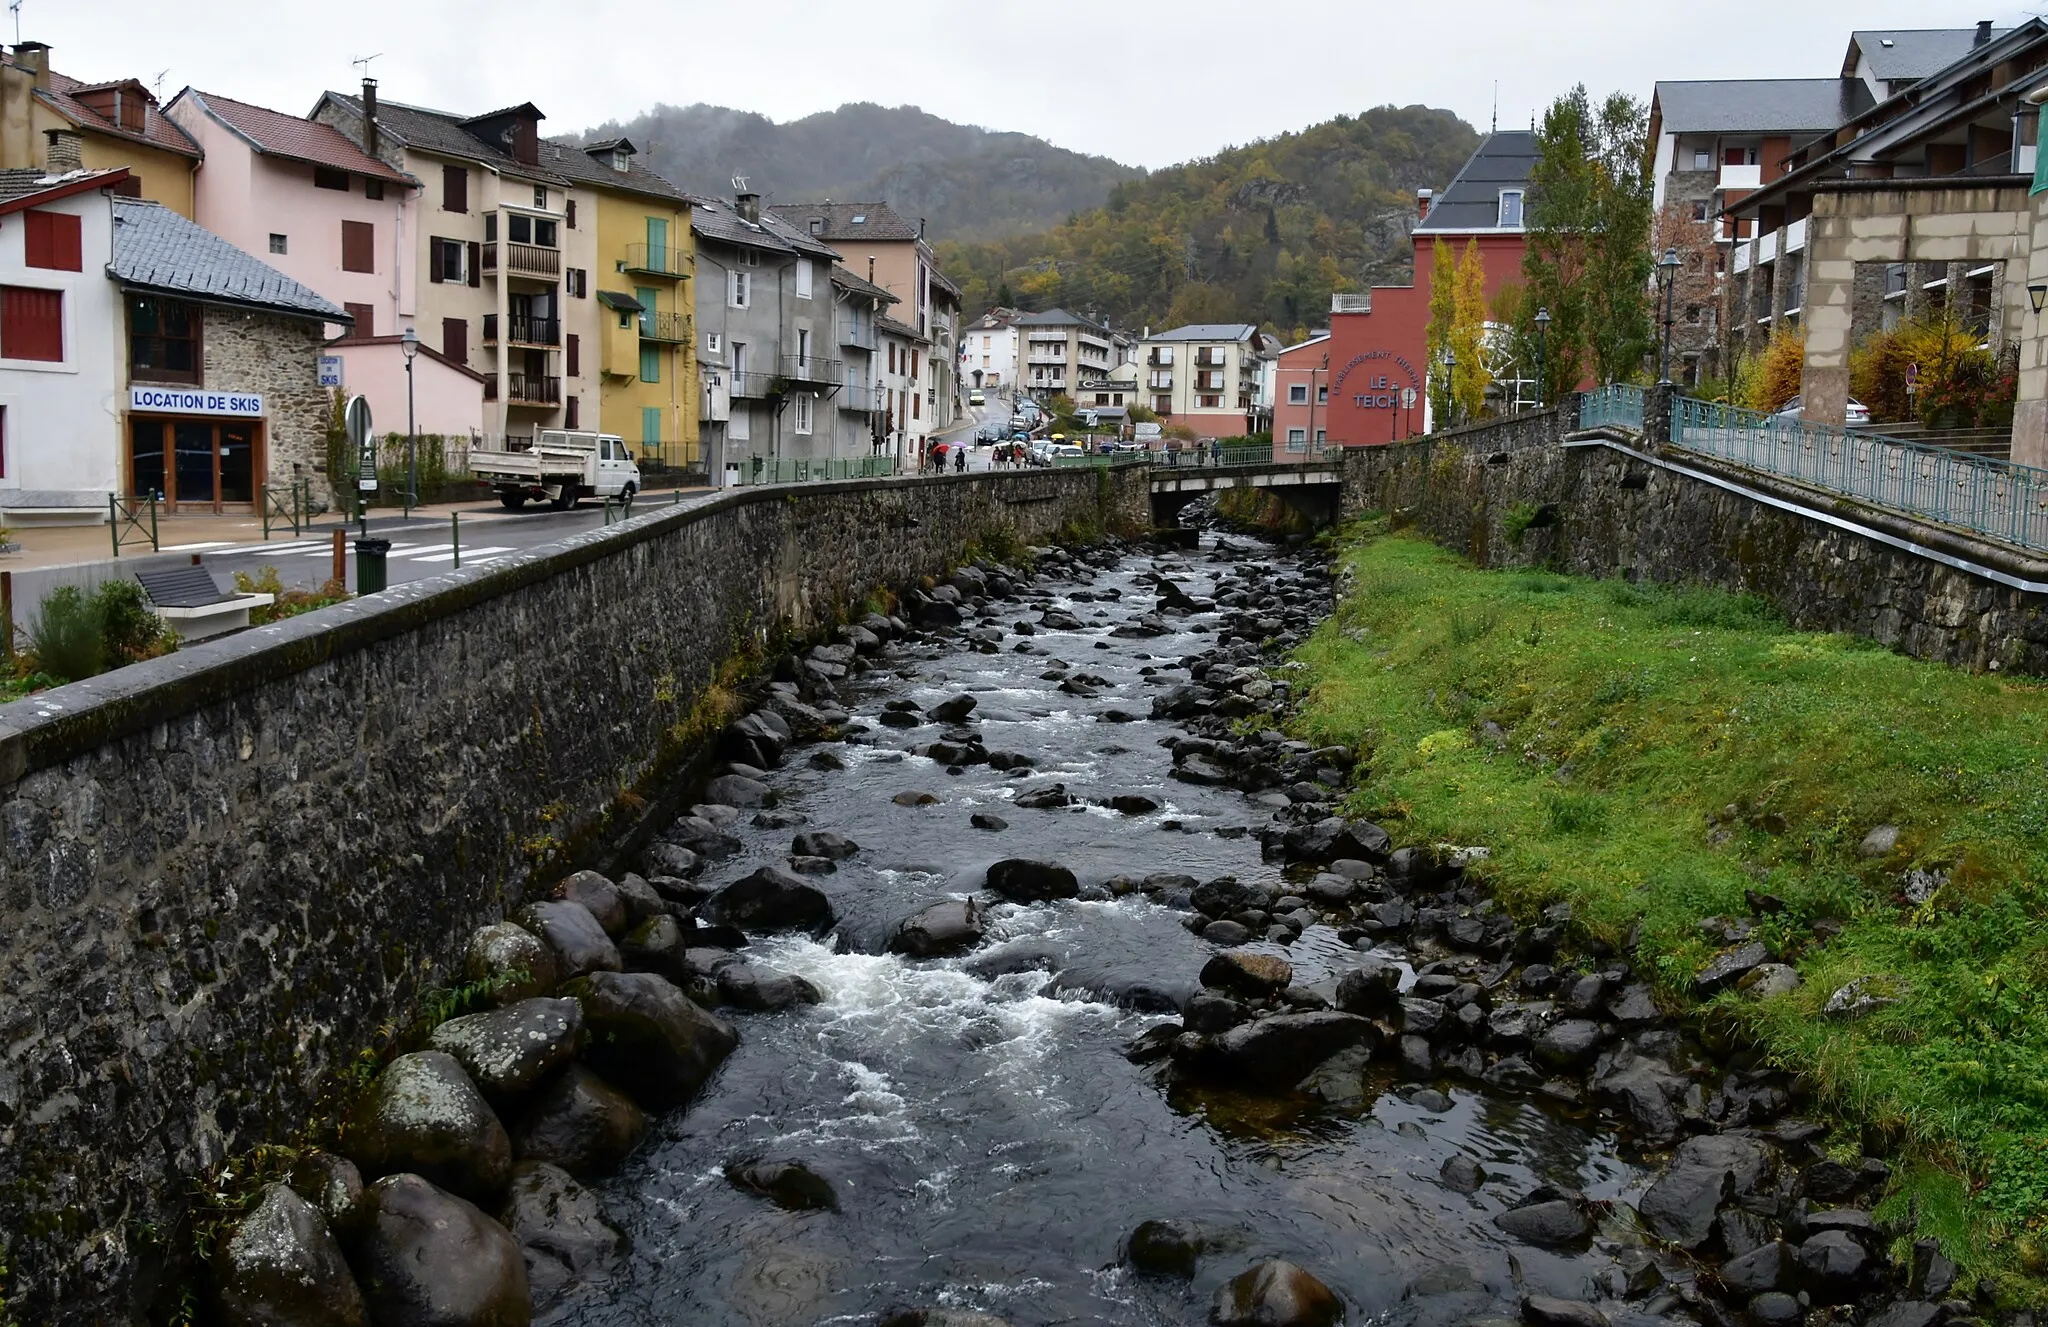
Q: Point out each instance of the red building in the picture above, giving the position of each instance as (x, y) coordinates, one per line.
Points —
(1367, 382)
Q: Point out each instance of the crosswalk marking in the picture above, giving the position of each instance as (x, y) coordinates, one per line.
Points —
(194, 548)
(415, 550)
(473, 555)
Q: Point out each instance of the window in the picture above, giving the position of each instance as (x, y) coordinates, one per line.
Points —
(713, 343)
(454, 189)
(650, 362)
(444, 261)
(1510, 208)
(569, 213)
(739, 357)
(892, 357)
(1212, 402)
(740, 428)
(748, 258)
(53, 240)
(540, 196)
(1699, 210)
(163, 340)
(650, 425)
(572, 412)
(1323, 395)
(490, 227)
(803, 413)
(373, 189)
(1322, 436)
(572, 355)
(455, 339)
(1702, 159)
(365, 316)
(519, 228)
(817, 225)
(358, 246)
(803, 347)
(803, 278)
(32, 324)
(326, 177)
(1297, 393)
(578, 282)
(916, 406)
(1692, 313)
(1297, 440)
(278, 243)
(740, 295)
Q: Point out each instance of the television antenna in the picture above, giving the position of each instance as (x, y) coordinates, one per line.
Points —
(361, 62)
(14, 8)
(739, 184)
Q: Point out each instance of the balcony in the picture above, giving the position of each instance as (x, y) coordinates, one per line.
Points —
(1160, 359)
(673, 327)
(525, 330)
(857, 336)
(812, 369)
(658, 260)
(1159, 381)
(1048, 384)
(757, 386)
(1209, 359)
(1742, 177)
(1046, 357)
(526, 389)
(859, 400)
(522, 260)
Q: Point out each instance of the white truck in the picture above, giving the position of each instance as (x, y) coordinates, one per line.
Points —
(559, 467)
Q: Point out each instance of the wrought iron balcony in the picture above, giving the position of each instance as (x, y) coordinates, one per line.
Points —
(673, 327)
(812, 369)
(526, 389)
(525, 330)
(658, 260)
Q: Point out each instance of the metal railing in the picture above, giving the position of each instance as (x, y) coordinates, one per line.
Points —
(1976, 493)
(754, 385)
(525, 330)
(288, 504)
(812, 368)
(658, 259)
(785, 470)
(132, 520)
(673, 327)
(1617, 405)
(527, 389)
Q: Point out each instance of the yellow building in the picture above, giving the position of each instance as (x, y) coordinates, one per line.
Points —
(641, 293)
(53, 122)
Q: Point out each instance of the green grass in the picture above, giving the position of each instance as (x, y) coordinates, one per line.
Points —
(1667, 749)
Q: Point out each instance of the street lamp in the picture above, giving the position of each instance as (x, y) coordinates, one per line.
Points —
(409, 343)
(1450, 387)
(1668, 265)
(2038, 294)
(1542, 326)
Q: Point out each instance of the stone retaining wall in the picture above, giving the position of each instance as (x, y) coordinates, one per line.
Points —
(223, 870)
(1672, 516)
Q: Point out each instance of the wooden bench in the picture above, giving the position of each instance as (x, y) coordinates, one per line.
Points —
(192, 602)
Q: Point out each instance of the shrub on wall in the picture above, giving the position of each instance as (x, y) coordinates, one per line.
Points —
(1960, 383)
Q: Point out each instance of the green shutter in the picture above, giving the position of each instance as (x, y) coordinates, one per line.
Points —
(2040, 152)
(657, 244)
(650, 425)
(645, 294)
(650, 363)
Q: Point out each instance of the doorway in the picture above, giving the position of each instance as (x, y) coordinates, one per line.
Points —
(195, 464)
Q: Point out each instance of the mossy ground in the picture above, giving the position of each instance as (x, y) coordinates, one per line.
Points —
(1631, 721)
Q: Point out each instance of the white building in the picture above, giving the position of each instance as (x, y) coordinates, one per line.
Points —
(902, 380)
(988, 350)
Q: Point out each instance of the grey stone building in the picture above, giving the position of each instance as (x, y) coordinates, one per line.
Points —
(858, 307)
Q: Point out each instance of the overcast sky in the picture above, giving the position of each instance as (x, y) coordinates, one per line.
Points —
(1144, 82)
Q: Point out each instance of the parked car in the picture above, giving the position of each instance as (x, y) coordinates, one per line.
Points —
(976, 398)
(988, 433)
(1858, 413)
(1064, 449)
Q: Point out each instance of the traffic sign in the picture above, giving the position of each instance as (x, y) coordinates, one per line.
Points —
(355, 419)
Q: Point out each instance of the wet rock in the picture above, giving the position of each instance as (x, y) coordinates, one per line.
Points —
(1461, 1174)
(600, 895)
(423, 1115)
(643, 901)
(788, 1184)
(660, 859)
(1027, 881)
(1416, 1061)
(1227, 933)
(1133, 804)
(823, 843)
(332, 1184)
(736, 790)
(510, 961)
(1546, 1311)
(648, 1037)
(1634, 1006)
(954, 710)
(1253, 975)
(744, 986)
(1907, 1313)
(1154, 1043)
(1513, 1073)
(1835, 1268)
(1274, 1053)
(1557, 1223)
(573, 935)
(771, 899)
(582, 1124)
(1726, 969)
(561, 1231)
(1572, 1044)
(1209, 1013)
(1767, 980)
(1933, 1274)
(1643, 1092)
(1372, 988)
(507, 1052)
(283, 1267)
(993, 824)
(1584, 995)
(914, 799)
(1766, 1267)
(1705, 1173)
(431, 1259)
(701, 837)
(758, 739)
(950, 926)
(656, 945)
(813, 866)
(1427, 1099)
(1775, 1309)
(1044, 799)
(1275, 1294)
(1164, 1248)
(1421, 1017)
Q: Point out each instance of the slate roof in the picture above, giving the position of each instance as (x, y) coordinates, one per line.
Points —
(1895, 53)
(582, 165)
(156, 249)
(279, 135)
(939, 280)
(1058, 317)
(883, 322)
(158, 129)
(860, 286)
(25, 186)
(1471, 201)
(1759, 105)
(714, 219)
(1208, 332)
(878, 220)
(441, 132)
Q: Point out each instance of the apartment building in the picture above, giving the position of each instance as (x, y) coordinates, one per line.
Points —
(1060, 349)
(900, 386)
(54, 122)
(858, 308)
(766, 338)
(1301, 399)
(1204, 375)
(990, 349)
(943, 393)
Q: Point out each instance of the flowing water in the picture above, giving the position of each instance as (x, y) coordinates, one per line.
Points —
(990, 1145)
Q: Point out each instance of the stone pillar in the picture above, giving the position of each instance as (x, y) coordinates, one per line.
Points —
(2030, 412)
(1657, 404)
(1828, 314)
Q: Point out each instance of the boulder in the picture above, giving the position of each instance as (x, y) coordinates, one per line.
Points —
(1557, 1223)
(1164, 1248)
(1224, 895)
(788, 1184)
(1273, 1054)
(582, 1124)
(656, 945)
(758, 739)
(736, 790)
(1461, 1174)
(744, 986)
(701, 837)
(1372, 988)
(1275, 1294)
(1768, 980)
(423, 1115)
(333, 1185)
(954, 710)
(1765, 1267)
(1208, 1013)
(600, 895)
(1725, 969)
(283, 1267)
(1254, 975)
(643, 901)
(573, 935)
(1775, 1308)
(1680, 1206)
(950, 926)
(561, 1230)
(1026, 881)
(1571, 1044)
(993, 824)
(1546, 1311)
(1835, 1268)
(431, 1259)
(507, 1052)
(650, 1038)
(772, 899)
(823, 843)
(509, 961)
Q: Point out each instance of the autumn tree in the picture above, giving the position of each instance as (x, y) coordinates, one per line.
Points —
(1697, 285)
(1468, 334)
(1443, 313)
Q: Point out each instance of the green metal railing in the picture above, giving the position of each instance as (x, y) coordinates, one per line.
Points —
(288, 504)
(132, 520)
(1987, 496)
(1617, 405)
(772, 470)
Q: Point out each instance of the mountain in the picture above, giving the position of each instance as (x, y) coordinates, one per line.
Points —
(1260, 234)
(967, 183)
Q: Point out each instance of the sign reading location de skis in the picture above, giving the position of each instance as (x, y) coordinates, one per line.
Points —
(184, 401)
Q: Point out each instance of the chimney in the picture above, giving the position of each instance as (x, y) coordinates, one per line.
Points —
(34, 57)
(65, 152)
(1983, 32)
(1423, 198)
(871, 269)
(370, 116)
(920, 227)
(748, 205)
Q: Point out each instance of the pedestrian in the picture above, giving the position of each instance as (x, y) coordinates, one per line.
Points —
(959, 459)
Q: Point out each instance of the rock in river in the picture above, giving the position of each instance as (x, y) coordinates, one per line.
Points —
(561, 1230)
(1545, 1311)
(1255, 975)
(650, 1038)
(950, 926)
(507, 1052)
(1275, 1294)
(1557, 1223)
(823, 843)
(1275, 1053)
(1164, 1248)
(788, 1184)
(431, 1259)
(1028, 881)
(573, 935)
(771, 899)
(424, 1115)
(582, 1124)
(284, 1266)
(600, 895)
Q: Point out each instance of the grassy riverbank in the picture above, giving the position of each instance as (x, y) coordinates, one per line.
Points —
(1651, 754)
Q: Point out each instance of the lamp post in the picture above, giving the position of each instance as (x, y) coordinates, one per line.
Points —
(1542, 326)
(1450, 388)
(1668, 267)
(409, 343)
(2038, 293)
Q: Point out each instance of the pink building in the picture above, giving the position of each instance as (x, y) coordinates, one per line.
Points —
(447, 398)
(306, 200)
(1301, 399)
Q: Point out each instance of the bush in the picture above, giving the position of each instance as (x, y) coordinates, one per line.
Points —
(1961, 384)
(1776, 372)
(64, 632)
(130, 631)
(285, 603)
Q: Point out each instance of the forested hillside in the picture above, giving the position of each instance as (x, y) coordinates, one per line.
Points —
(1260, 234)
(967, 183)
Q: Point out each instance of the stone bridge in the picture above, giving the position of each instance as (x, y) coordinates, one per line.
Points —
(1314, 489)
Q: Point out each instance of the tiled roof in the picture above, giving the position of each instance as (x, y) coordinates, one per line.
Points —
(441, 132)
(578, 164)
(714, 219)
(1759, 105)
(156, 249)
(158, 129)
(859, 286)
(1208, 332)
(281, 135)
(847, 221)
(21, 186)
(1895, 53)
(883, 322)
(1057, 317)
(1502, 160)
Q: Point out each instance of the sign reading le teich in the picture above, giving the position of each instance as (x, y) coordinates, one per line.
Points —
(185, 401)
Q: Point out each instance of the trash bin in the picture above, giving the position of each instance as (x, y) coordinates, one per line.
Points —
(732, 475)
(370, 564)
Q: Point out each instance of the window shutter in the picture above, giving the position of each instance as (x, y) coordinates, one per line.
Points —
(569, 213)
(572, 413)
(455, 188)
(31, 324)
(434, 260)
(455, 339)
(54, 240)
(366, 320)
(476, 263)
(572, 354)
(358, 246)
